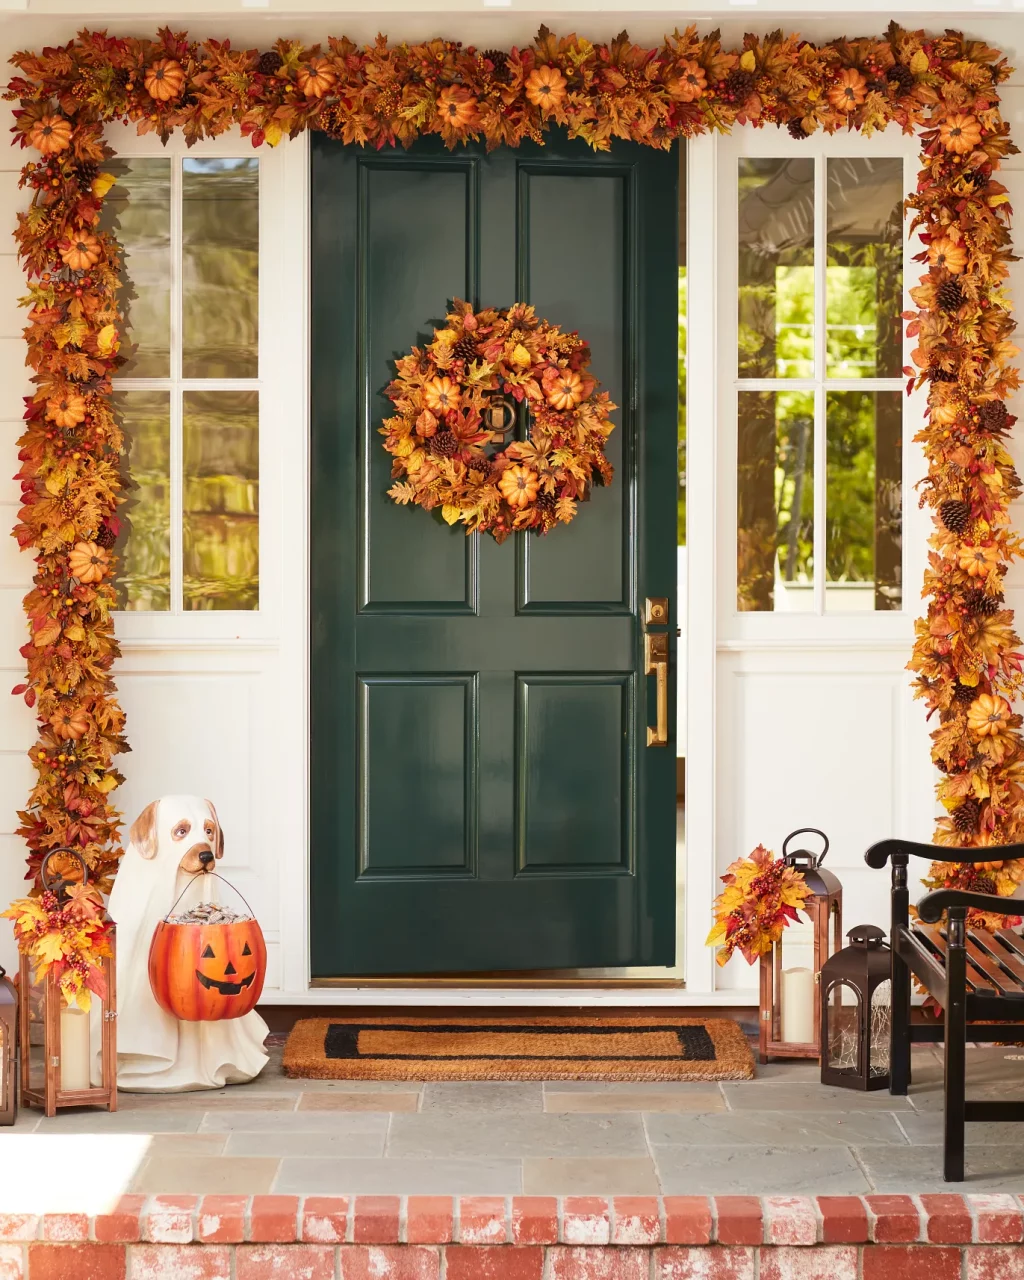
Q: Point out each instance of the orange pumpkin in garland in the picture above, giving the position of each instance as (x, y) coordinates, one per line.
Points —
(206, 972)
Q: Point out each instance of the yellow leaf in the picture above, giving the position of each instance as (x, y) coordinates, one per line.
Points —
(106, 340)
(74, 632)
(107, 783)
(50, 947)
(56, 481)
(748, 61)
(46, 634)
(273, 134)
(404, 447)
(919, 63)
(521, 356)
(102, 183)
(450, 514)
(1002, 198)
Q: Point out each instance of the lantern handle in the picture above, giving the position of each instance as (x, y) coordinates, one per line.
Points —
(814, 831)
(60, 883)
(199, 875)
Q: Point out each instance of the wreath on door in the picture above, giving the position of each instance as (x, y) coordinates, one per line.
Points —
(462, 394)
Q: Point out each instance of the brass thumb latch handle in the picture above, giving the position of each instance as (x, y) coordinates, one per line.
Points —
(656, 664)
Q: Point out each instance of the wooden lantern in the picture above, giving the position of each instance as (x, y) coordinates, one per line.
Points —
(790, 1011)
(856, 1012)
(8, 1049)
(73, 1062)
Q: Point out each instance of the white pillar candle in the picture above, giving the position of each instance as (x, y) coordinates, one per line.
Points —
(797, 1006)
(74, 1048)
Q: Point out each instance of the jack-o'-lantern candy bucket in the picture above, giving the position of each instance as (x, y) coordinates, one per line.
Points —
(207, 963)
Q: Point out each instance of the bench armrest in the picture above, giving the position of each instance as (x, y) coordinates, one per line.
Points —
(932, 905)
(899, 851)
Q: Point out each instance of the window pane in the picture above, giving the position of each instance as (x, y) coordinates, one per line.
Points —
(220, 268)
(144, 544)
(221, 449)
(138, 210)
(864, 276)
(776, 268)
(775, 502)
(864, 501)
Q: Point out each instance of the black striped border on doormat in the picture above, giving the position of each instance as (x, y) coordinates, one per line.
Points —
(637, 1046)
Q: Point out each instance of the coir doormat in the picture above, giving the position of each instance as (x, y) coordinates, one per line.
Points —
(638, 1046)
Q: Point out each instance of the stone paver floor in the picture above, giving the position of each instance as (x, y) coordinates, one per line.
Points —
(781, 1133)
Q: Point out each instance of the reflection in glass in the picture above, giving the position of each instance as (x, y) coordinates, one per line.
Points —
(775, 502)
(776, 268)
(220, 268)
(864, 501)
(138, 210)
(864, 275)
(144, 544)
(220, 440)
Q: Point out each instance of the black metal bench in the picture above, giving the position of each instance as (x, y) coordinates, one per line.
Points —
(976, 977)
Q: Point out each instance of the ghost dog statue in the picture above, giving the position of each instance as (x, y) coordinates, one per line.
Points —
(171, 840)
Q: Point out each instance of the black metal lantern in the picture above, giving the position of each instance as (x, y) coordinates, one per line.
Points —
(8, 1049)
(856, 1012)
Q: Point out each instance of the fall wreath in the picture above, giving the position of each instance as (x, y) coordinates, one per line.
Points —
(458, 395)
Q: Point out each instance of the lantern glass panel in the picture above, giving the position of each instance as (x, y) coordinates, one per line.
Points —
(843, 1026)
(36, 1007)
(881, 1025)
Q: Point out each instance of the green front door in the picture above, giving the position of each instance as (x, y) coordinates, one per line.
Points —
(483, 797)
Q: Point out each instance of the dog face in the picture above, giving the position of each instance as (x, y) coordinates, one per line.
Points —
(185, 828)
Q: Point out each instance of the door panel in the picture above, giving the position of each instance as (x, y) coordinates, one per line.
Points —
(481, 797)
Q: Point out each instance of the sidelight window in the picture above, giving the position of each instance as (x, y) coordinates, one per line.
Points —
(189, 393)
(818, 384)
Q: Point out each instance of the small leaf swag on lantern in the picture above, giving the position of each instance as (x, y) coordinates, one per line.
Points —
(761, 898)
(440, 436)
(69, 941)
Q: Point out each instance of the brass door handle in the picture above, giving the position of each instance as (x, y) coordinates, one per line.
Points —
(656, 664)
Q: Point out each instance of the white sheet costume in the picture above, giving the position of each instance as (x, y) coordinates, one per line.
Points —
(156, 1051)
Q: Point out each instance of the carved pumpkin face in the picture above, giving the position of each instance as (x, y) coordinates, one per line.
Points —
(205, 972)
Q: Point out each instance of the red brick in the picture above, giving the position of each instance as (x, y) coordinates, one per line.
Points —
(997, 1219)
(222, 1219)
(123, 1224)
(947, 1219)
(324, 1219)
(844, 1219)
(896, 1219)
(482, 1220)
(389, 1262)
(790, 1220)
(688, 1220)
(274, 1219)
(910, 1262)
(179, 1262)
(712, 1263)
(585, 1220)
(11, 1263)
(168, 1219)
(294, 1261)
(738, 1220)
(80, 1261)
(637, 1220)
(993, 1263)
(534, 1220)
(65, 1227)
(429, 1219)
(822, 1262)
(611, 1263)
(493, 1262)
(375, 1220)
(18, 1226)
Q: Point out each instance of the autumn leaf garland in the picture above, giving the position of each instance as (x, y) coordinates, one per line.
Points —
(946, 87)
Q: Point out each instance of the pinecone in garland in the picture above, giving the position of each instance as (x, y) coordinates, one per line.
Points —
(547, 502)
(500, 59)
(444, 445)
(955, 514)
(983, 884)
(964, 694)
(950, 296)
(121, 77)
(966, 814)
(992, 415)
(795, 129)
(270, 62)
(941, 375)
(977, 601)
(106, 537)
(902, 77)
(739, 85)
(877, 86)
(465, 348)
